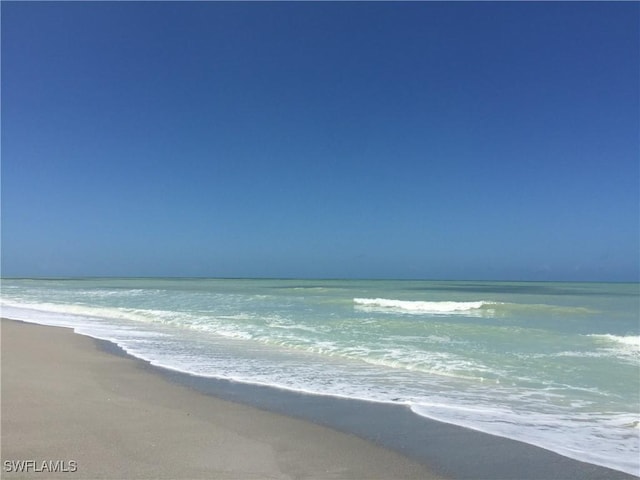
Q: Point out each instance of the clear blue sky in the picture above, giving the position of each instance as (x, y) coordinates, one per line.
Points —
(361, 139)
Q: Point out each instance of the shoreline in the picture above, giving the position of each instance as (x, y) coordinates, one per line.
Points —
(378, 440)
(64, 401)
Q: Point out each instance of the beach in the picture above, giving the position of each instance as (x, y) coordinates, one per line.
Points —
(75, 407)
(100, 415)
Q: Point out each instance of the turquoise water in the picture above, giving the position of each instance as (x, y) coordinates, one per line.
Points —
(552, 364)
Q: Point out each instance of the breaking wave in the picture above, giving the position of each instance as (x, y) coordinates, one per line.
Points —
(420, 307)
(622, 346)
(474, 308)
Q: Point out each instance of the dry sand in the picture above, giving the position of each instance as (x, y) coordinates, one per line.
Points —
(105, 416)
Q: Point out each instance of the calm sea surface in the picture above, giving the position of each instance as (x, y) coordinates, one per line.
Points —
(552, 364)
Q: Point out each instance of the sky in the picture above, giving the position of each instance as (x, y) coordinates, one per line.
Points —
(434, 140)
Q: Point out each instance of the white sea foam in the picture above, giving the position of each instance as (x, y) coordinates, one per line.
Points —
(113, 313)
(477, 308)
(496, 376)
(626, 347)
(579, 431)
(420, 307)
(630, 340)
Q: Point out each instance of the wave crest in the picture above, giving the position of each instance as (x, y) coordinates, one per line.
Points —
(420, 307)
(631, 340)
(626, 347)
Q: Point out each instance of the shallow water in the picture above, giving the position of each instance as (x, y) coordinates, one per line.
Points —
(552, 364)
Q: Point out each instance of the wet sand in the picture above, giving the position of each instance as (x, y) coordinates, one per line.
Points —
(100, 415)
(66, 397)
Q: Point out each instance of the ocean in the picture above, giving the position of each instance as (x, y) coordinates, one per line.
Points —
(555, 365)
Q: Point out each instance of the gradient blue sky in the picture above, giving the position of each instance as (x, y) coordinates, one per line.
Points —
(398, 140)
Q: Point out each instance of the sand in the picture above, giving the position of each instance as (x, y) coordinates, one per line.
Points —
(68, 405)
(82, 405)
